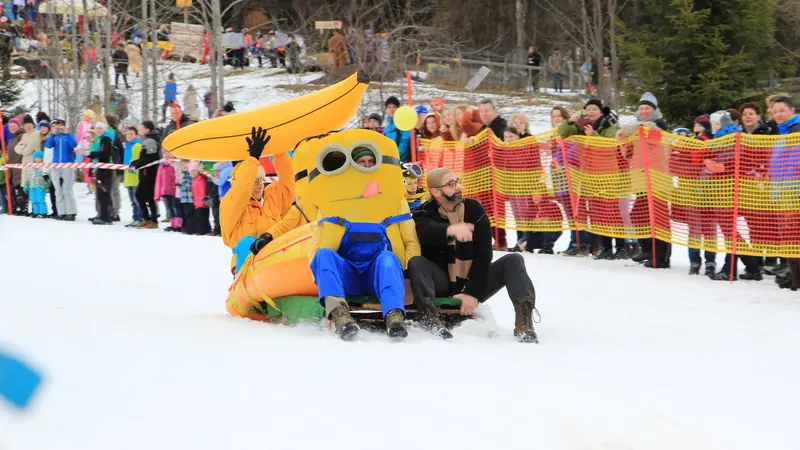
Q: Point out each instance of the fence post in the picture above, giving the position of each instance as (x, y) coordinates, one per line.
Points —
(7, 171)
(648, 183)
(176, 115)
(573, 196)
(489, 135)
(413, 130)
(737, 165)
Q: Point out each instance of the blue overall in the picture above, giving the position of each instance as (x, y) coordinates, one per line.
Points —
(363, 265)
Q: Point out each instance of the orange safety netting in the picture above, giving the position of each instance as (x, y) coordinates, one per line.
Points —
(654, 184)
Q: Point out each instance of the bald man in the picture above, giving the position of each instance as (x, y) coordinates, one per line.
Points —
(456, 240)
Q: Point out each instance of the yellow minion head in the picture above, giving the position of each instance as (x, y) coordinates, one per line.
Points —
(355, 174)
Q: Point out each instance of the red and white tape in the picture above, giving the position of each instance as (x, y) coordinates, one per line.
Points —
(66, 166)
(107, 166)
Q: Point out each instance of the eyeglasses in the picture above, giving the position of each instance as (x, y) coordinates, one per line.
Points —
(451, 184)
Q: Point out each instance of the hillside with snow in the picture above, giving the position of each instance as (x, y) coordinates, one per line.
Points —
(130, 331)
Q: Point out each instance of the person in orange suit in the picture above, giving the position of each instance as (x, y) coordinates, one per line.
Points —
(249, 209)
(338, 47)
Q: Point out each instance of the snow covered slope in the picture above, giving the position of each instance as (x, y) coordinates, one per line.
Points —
(130, 329)
(259, 87)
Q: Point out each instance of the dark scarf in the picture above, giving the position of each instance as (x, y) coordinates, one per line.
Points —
(458, 267)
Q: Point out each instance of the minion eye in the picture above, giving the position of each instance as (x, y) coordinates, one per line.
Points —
(332, 160)
(365, 157)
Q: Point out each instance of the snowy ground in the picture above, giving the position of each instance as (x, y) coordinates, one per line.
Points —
(130, 329)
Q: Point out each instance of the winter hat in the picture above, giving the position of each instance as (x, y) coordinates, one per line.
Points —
(376, 116)
(100, 126)
(363, 152)
(722, 117)
(438, 101)
(596, 102)
(681, 130)
(195, 165)
(43, 123)
(705, 122)
(38, 154)
(421, 110)
(28, 119)
(18, 110)
(392, 101)
(649, 100)
(15, 121)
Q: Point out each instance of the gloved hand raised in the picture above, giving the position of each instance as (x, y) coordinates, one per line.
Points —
(260, 243)
(257, 141)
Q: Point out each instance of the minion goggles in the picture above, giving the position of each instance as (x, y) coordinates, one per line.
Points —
(334, 159)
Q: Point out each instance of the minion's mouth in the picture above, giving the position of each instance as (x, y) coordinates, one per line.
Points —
(360, 197)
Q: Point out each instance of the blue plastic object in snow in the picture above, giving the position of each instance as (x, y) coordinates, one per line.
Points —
(18, 382)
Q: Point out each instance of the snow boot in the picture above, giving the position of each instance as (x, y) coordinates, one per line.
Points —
(546, 250)
(711, 269)
(694, 268)
(634, 250)
(344, 324)
(621, 253)
(572, 251)
(722, 276)
(659, 264)
(395, 324)
(523, 321)
(641, 257)
(429, 318)
(606, 253)
(751, 276)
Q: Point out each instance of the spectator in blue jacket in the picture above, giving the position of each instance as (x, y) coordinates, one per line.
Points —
(170, 94)
(63, 147)
(401, 138)
(222, 177)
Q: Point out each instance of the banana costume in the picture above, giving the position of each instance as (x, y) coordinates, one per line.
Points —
(365, 236)
(223, 138)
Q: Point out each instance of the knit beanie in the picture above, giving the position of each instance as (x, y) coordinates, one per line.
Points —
(722, 117)
(38, 154)
(596, 102)
(28, 119)
(649, 100)
(392, 101)
(15, 121)
(438, 101)
(361, 153)
(421, 110)
(705, 122)
(376, 116)
(44, 124)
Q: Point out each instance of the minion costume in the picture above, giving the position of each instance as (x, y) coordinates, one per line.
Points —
(365, 236)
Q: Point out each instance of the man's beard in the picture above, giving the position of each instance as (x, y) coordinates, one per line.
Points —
(455, 198)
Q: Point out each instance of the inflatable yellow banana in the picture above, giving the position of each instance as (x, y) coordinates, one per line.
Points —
(223, 138)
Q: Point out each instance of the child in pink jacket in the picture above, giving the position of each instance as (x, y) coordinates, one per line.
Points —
(201, 225)
(165, 189)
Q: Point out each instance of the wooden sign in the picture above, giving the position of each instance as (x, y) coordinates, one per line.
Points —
(328, 25)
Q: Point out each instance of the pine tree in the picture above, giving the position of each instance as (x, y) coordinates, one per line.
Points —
(10, 91)
(699, 56)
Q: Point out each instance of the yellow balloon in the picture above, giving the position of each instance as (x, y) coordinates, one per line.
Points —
(405, 118)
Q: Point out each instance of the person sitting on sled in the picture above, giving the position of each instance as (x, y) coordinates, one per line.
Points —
(365, 236)
(412, 172)
(248, 210)
(456, 241)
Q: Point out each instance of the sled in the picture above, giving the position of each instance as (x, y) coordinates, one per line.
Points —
(302, 308)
